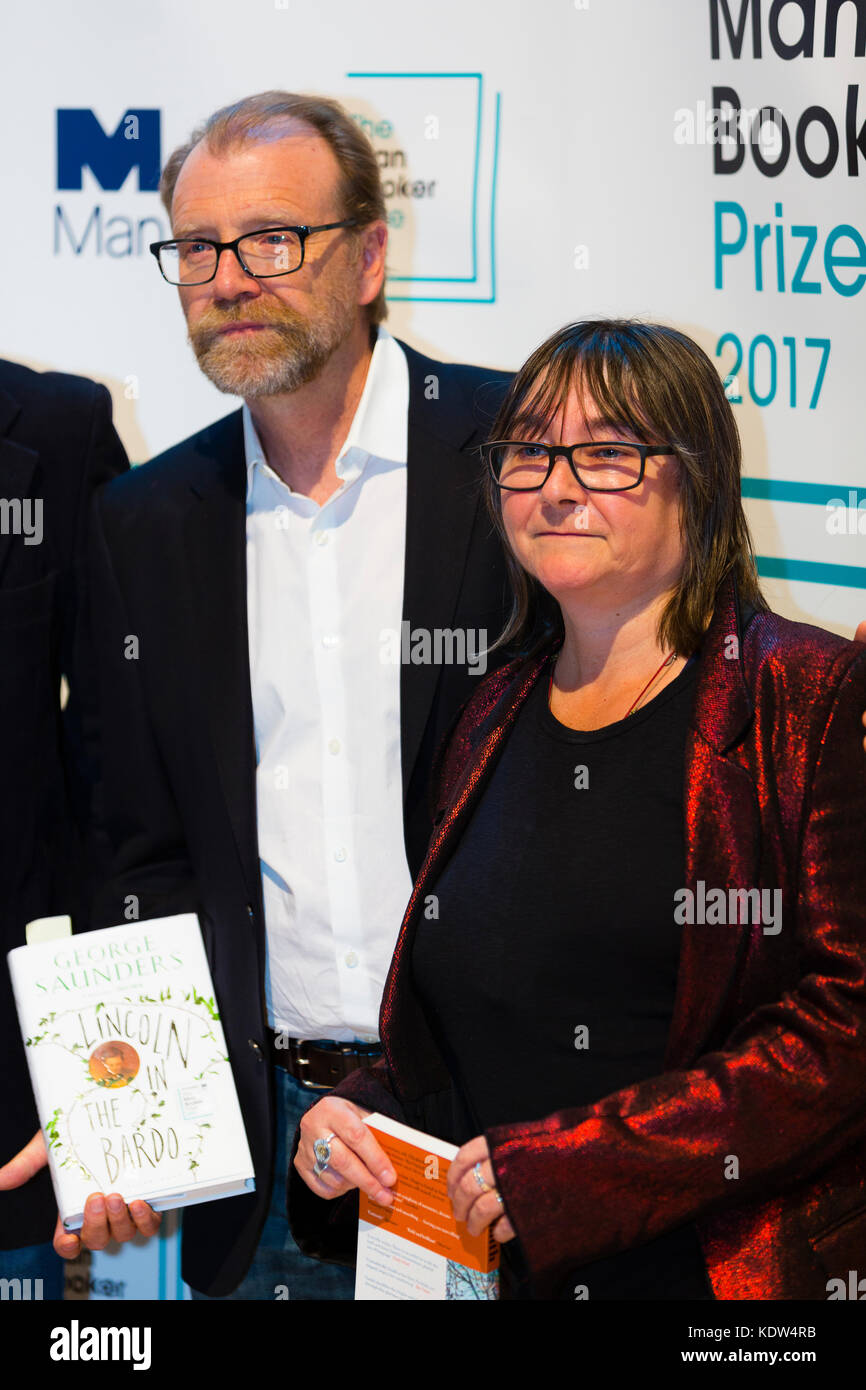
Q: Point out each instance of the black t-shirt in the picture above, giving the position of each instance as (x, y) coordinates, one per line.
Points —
(550, 972)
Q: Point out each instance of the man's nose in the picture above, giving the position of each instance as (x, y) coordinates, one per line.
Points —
(231, 280)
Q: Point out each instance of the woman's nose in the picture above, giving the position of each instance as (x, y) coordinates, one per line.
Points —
(562, 484)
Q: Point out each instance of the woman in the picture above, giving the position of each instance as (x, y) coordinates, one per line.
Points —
(631, 979)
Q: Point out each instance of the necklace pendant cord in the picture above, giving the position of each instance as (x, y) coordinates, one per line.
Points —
(667, 662)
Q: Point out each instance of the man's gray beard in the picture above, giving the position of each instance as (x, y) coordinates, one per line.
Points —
(251, 369)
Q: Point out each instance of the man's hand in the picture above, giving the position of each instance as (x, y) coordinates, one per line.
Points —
(860, 634)
(478, 1207)
(105, 1218)
(356, 1159)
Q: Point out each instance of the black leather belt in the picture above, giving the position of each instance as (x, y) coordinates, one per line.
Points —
(319, 1063)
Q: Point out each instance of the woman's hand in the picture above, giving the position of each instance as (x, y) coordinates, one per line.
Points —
(356, 1159)
(471, 1203)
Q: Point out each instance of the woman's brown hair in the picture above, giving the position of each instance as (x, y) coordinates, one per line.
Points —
(660, 386)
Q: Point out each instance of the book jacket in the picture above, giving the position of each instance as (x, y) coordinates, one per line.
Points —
(129, 1066)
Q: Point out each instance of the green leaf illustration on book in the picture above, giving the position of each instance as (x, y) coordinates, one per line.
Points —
(129, 1064)
(200, 999)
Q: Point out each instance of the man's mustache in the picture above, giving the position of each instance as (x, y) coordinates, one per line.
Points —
(214, 319)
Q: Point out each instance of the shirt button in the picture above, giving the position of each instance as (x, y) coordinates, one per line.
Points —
(330, 639)
(334, 745)
(340, 854)
(351, 959)
(322, 538)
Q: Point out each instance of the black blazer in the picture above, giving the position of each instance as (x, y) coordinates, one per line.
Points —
(179, 755)
(57, 443)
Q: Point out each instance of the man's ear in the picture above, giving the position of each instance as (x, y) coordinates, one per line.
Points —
(373, 241)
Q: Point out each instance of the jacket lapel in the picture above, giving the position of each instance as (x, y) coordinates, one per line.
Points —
(722, 829)
(420, 1066)
(215, 540)
(442, 499)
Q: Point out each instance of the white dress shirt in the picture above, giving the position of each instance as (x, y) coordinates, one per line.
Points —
(323, 584)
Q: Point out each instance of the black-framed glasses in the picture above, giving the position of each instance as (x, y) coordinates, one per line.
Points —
(603, 465)
(262, 254)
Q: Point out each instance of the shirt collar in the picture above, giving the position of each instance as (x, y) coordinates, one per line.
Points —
(379, 427)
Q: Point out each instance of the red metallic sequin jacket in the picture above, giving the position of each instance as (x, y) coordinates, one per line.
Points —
(756, 1129)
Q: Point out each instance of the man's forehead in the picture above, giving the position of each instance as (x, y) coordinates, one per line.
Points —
(282, 162)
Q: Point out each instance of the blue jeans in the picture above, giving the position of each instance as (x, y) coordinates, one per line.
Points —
(278, 1268)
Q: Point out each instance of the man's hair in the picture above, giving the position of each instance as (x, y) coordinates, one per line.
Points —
(263, 117)
(660, 386)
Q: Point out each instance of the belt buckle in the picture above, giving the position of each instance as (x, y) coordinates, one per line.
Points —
(305, 1062)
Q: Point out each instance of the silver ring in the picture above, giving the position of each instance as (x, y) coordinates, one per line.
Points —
(498, 1197)
(476, 1173)
(322, 1150)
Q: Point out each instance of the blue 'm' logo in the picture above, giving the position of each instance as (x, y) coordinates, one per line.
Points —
(135, 144)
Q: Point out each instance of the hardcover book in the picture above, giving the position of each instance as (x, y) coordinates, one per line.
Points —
(416, 1249)
(129, 1066)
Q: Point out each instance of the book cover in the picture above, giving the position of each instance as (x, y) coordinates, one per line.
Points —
(129, 1066)
(416, 1249)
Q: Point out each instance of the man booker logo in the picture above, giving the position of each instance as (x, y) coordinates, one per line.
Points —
(76, 1343)
(86, 228)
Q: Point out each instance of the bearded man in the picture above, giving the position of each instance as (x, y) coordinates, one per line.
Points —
(267, 755)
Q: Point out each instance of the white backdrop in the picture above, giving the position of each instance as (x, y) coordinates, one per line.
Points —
(546, 160)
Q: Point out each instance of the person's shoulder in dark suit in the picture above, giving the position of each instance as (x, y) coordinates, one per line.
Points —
(214, 454)
(448, 395)
(57, 445)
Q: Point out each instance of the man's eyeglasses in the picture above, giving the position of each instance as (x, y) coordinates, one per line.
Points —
(600, 466)
(269, 251)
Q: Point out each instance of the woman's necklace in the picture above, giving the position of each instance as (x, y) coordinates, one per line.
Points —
(668, 661)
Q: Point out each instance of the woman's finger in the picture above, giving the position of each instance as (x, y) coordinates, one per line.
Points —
(349, 1165)
(355, 1156)
(469, 1189)
(340, 1117)
(483, 1212)
(462, 1165)
(503, 1230)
